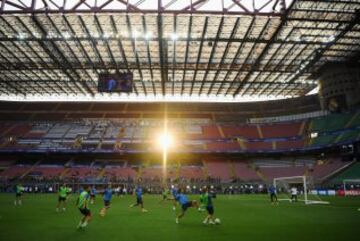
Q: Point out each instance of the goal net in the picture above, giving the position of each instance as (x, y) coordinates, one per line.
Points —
(297, 188)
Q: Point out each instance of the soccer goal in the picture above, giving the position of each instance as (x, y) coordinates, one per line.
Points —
(350, 184)
(301, 185)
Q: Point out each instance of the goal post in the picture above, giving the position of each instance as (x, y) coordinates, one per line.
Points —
(302, 186)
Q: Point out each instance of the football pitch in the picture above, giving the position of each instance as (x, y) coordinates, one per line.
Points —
(245, 217)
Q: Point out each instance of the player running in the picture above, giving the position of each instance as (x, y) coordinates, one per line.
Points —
(209, 207)
(63, 193)
(82, 203)
(108, 192)
(203, 197)
(92, 195)
(184, 203)
(174, 192)
(165, 194)
(19, 190)
(139, 201)
(273, 196)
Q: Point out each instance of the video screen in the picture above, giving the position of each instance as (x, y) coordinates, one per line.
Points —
(115, 83)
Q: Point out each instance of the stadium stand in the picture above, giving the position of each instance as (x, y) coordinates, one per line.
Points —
(351, 172)
(327, 168)
(219, 169)
(281, 130)
(191, 172)
(245, 173)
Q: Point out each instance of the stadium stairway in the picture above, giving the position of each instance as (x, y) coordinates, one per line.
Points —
(260, 133)
(302, 128)
(177, 169)
(9, 129)
(262, 176)
(139, 172)
(337, 171)
(258, 173)
(220, 131)
(273, 143)
(232, 170)
(66, 169)
(350, 172)
(30, 169)
(241, 143)
(205, 169)
(352, 120)
(64, 172)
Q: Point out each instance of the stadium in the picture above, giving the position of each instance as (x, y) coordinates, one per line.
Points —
(179, 119)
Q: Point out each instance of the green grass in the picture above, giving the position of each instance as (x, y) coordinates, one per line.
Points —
(247, 217)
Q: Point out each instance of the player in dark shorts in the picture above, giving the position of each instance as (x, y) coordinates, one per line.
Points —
(63, 192)
(108, 192)
(184, 203)
(82, 204)
(92, 195)
(19, 190)
(273, 196)
(208, 204)
(139, 201)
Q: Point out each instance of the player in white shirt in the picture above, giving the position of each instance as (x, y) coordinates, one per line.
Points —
(294, 193)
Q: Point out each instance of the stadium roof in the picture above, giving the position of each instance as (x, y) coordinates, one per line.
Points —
(178, 50)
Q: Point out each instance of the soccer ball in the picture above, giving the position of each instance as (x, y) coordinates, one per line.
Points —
(102, 213)
(217, 221)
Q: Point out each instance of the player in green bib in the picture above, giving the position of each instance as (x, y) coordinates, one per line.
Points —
(203, 198)
(82, 204)
(208, 203)
(63, 193)
(165, 194)
(19, 190)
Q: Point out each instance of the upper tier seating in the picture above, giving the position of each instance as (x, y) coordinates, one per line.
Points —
(58, 131)
(290, 144)
(223, 146)
(281, 130)
(323, 140)
(38, 130)
(330, 122)
(259, 146)
(250, 131)
(197, 135)
(18, 130)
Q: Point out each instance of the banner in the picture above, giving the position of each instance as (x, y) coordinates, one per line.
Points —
(348, 193)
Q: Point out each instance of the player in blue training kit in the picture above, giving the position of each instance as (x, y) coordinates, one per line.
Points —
(107, 195)
(139, 201)
(92, 194)
(174, 192)
(273, 196)
(184, 203)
